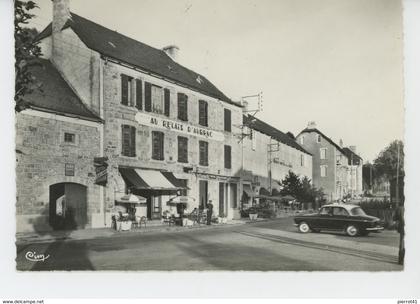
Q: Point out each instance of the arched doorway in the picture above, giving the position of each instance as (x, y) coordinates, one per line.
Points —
(68, 206)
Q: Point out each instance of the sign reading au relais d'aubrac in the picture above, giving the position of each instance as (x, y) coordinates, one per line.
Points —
(184, 128)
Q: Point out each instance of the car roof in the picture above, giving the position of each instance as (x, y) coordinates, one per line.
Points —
(345, 206)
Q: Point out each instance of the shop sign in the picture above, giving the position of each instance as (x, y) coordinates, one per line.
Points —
(101, 169)
(183, 128)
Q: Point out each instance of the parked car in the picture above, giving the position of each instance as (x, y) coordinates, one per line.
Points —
(339, 217)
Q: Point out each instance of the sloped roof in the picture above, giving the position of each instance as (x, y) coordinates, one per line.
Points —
(55, 95)
(127, 50)
(260, 126)
(353, 158)
(309, 130)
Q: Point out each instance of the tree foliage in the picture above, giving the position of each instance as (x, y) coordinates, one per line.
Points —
(385, 165)
(26, 52)
(300, 188)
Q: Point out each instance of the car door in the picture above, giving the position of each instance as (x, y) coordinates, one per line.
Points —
(340, 218)
(323, 219)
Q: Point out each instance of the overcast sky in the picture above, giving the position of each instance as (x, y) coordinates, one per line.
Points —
(335, 62)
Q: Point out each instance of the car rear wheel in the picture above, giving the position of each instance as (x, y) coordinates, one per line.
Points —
(304, 227)
(352, 230)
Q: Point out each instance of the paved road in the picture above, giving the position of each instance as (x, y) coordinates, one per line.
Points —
(273, 245)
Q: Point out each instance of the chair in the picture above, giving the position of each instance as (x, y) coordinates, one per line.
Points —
(167, 218)
(143, 220)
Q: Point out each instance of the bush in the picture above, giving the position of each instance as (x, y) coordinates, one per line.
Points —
(264, 210)
(382, 209)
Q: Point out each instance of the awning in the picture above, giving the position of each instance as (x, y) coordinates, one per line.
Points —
(264, 191)
(121, 197)
(151, 179)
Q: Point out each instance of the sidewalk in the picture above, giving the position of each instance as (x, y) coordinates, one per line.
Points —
(93, 233)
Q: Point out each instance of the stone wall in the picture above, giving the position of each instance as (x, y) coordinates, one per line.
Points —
(116, 115)
(41, 158)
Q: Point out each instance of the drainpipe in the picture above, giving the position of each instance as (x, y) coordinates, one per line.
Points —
(102, 192)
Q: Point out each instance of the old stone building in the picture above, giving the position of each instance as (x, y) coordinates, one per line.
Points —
(268, 156)
(57, 139)
(167, 130)
(332, 171)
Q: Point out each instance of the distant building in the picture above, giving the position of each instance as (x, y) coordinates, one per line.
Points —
(337, 170)
(268, 156)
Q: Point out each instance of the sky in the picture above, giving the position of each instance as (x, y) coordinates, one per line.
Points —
(335, 62)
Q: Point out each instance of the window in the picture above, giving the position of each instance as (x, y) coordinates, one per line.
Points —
(302, 139)
(228, 157)
(69, 138)
(228, 120)
(203, 113)
(69, 169)
(325, 211)
(323, 171)
(203, 153)
(182, 149)
(323, 153)
(158, 145)
(157, 100)
(128, 141)
(318, 138)
(182, 107)
(131, 91)
(339, 211)
(302, 160)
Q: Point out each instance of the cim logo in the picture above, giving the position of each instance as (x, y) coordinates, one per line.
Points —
(34, 257)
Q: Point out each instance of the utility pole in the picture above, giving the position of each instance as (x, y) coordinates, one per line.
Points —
(397, 194)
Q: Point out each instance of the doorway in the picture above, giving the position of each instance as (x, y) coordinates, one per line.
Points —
(67, 206)
(203, 193)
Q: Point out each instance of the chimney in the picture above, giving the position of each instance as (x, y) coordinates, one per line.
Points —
(341, 143)
(353, 148)
(61, 13)
(311, 125)
(172, 51)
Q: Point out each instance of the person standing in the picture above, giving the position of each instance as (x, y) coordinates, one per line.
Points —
(209, 212)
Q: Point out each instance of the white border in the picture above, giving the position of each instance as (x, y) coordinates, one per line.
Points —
(212, 284)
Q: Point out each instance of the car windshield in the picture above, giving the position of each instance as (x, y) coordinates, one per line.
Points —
(357, 211)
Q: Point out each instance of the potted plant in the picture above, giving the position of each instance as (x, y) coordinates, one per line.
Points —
(220, 218)
(253, 213)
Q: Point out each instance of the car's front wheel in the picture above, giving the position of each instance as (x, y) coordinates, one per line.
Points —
(304, 227)
(352, 230)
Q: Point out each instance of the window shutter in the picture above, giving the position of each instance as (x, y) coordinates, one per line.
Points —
(147, 97)
(124, 89)
(228, 122)
(126, 138)
(182, 107)
(157, 146)
(139, 94)
(203, 149)
(228, 157)
(182, 149)
(203, 113)
(133, 141)
(167, 101)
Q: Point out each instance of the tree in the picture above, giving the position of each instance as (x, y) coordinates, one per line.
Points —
(291, 185)
(389, 159)
(26, 53)
(300, 188)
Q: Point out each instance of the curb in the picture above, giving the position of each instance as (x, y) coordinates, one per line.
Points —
(114, 233)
